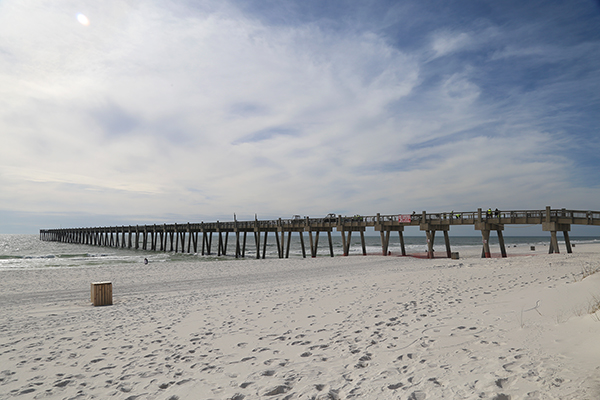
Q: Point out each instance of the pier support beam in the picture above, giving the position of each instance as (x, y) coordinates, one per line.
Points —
(302, 244)
(206, 242)
(222, 250)
(553, 228)
(385, 228)
(289, 240)
(385, 241)
(244, 244)
(430, 230)
(346, 241)
(313, 245)
(265, 244)
(485, 229)
(257, 242)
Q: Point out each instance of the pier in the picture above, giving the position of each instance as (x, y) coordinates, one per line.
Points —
(198, 237)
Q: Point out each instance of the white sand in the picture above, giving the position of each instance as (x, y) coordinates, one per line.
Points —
(349, 327)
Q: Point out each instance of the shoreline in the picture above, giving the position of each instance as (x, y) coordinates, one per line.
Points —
(365, 327)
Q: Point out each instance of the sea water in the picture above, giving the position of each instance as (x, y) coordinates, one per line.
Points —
(28, 251)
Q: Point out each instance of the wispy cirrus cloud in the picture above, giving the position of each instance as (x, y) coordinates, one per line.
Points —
(211, 107)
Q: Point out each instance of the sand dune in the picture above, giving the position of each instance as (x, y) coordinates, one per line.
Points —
(348, 327)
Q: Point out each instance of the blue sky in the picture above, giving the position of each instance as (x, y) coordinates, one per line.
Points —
(193, 111)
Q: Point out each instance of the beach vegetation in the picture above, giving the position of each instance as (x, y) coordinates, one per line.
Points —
(588, 270)
(594, 308)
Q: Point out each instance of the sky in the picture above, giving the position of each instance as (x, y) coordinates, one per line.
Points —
(140, 112)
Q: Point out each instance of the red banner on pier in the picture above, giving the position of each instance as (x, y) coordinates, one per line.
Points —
(404, 218)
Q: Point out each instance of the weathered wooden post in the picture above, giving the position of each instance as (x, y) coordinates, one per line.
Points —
(101, 293)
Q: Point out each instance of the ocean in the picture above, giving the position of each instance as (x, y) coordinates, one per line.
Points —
(28, 251)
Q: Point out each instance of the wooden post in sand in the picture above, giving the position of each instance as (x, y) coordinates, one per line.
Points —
(101, 293)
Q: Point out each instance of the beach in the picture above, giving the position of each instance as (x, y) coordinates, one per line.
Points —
(360, 327)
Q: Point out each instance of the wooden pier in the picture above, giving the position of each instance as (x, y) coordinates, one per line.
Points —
(198, 237)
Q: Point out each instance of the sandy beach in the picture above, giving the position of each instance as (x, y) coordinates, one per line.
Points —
(327, 328)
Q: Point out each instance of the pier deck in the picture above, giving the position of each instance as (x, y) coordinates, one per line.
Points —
(185, 237)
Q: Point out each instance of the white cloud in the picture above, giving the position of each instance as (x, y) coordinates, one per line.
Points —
(449, 42)
(153, 109)
(154, 93)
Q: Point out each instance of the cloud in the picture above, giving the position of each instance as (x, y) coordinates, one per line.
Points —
(209, 108)
(446, 43)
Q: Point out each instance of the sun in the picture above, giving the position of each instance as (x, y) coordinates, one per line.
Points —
(83, 20)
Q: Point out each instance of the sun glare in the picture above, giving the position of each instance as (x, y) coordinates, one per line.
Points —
(83, 20)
